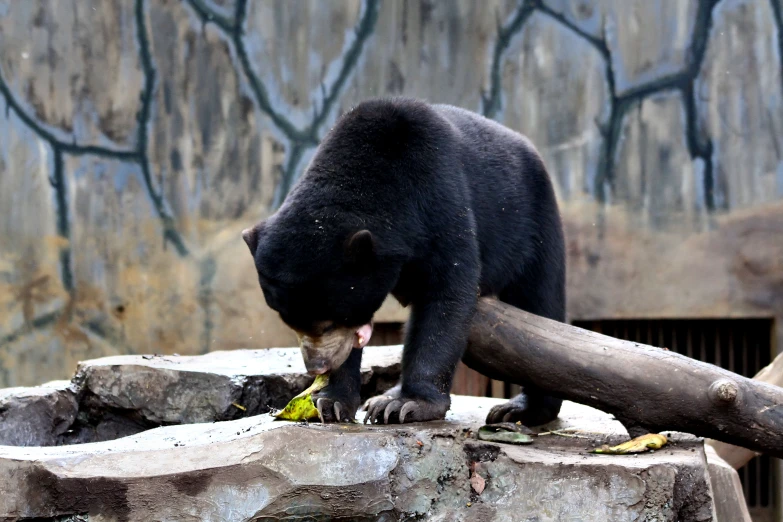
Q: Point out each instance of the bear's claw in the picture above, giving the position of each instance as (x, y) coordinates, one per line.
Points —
(521, 409)
(332, 411)
(388, 409)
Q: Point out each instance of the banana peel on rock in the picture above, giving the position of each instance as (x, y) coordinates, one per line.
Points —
(302, 407)
(650, 441)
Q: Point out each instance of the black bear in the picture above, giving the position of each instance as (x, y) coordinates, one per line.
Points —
(435, 205)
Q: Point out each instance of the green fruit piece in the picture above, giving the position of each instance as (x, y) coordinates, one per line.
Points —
(301, 407)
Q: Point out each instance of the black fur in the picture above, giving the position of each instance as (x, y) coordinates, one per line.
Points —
(456, 206)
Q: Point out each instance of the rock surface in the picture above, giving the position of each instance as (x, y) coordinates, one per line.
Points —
(113, 397)
(36, 416)
(259, 469)
(191, 458)
(215, 386)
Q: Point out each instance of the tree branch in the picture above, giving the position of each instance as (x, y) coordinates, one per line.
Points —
(648, 389)
(736, 456)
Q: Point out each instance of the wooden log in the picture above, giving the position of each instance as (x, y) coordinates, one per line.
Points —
(735, 455)
(648, 389)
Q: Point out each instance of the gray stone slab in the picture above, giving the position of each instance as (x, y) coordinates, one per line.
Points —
(114, 397)
(259, 469)
(216, 386)
(36, 416)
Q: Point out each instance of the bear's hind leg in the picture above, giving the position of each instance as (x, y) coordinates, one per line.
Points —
(542, 293)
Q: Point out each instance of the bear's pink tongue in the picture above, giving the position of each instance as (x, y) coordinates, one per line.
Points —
(363, 335)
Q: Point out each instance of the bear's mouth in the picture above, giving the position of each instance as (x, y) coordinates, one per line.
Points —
(327, 352)
(362, 336)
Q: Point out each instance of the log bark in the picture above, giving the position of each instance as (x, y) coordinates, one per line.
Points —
(735, 455)
(648, 389)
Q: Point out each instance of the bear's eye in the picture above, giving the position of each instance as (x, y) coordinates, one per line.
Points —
(328, 328)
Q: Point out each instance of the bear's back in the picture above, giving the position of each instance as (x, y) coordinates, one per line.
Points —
(512, 197)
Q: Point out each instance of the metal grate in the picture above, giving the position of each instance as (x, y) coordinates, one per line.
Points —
(743, 346)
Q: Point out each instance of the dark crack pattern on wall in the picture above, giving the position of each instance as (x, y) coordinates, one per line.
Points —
(610, 133)
(308, 136)
(138, 155)
(57, 181)
(777, 14)
(58, 177)
(682, 81)
(143, 119)
(492, 99)
(41, 321)
(299, 139)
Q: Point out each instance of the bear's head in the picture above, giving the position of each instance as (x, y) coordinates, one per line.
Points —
(325, 281)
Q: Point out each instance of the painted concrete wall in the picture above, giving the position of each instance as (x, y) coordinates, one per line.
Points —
(138, 138)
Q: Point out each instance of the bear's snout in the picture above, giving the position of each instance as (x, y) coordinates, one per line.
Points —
(327, 352)
(318, 370)
(317, 361)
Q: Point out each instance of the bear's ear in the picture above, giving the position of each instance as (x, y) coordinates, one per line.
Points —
(360, 247)
(250, 235)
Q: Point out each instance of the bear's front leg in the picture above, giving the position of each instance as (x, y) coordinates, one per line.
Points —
(436, 339)
(340, 399)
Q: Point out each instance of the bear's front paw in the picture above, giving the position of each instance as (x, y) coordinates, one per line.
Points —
(396, 408)
(519, 409)
(335, 407)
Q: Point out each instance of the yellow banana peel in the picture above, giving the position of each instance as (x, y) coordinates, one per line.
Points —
(301, 407)
(638, 445)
